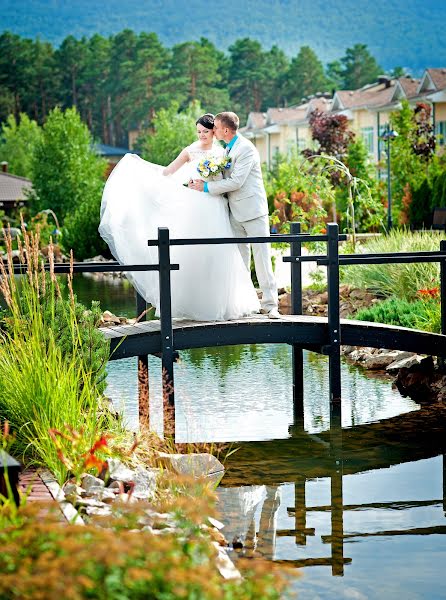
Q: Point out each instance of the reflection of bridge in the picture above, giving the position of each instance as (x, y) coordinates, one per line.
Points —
(333, 454)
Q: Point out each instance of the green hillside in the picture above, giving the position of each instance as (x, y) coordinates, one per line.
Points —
(404, 32)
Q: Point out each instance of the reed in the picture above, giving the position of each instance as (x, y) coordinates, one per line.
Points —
(47, 381)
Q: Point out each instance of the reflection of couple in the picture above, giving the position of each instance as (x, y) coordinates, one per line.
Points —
(213, 282)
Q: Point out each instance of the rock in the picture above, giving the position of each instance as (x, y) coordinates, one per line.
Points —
(116, 487)
(196, 465)
(96, 511)
(404, 362)
(72, 491)
(347, 349)
(361, 354)
(418, 381)
(218, 537)
(323, 298)
(102, 494)
(215, 523)
(359, 294)
(110, 318)
(145, 484)
(376, 362)
(89, 481)
(89, 502)
(285, 303)
(119, 472)
(225, 565)
(126, 499)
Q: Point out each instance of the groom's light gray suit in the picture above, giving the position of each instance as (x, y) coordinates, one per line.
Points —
(243, 184)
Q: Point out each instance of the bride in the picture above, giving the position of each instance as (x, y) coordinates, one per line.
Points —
(212, 282)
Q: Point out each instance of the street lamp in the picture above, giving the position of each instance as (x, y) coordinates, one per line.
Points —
(388, 136)
(48, 211)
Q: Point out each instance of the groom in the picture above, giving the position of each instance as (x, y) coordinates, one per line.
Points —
(243, 184)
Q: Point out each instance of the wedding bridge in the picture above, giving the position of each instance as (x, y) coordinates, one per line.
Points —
(166, 336)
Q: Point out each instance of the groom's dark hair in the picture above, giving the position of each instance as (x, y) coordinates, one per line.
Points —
(228, 119)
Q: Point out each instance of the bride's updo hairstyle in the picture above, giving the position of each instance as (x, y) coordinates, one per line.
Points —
(206, 121)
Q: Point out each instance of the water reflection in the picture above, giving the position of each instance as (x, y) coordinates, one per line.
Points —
(245, 393)
(346, 502)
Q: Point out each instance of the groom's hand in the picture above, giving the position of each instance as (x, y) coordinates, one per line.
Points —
(197, 184)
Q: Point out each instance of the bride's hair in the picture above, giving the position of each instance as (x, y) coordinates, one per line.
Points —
(206, 120)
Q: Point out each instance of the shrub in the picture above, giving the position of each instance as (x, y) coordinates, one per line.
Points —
(421, 314)
(420, 209)
(393, 311)
(439, 190)
(80, 230)
(298, 192)
(48, 559)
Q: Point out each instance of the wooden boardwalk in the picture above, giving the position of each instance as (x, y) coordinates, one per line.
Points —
(299, 330)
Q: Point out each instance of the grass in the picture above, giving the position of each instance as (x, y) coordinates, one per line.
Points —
(400, 280)
(45, 384)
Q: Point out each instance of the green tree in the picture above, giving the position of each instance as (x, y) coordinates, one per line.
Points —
(15, 62)
(93, 89)
(67, 173)
(43, 82)
(145, 80)
(305, 76)
(70, 61)
(277, 65)
(409, 168)
(334, 76)
(359, 67)
(18, 140)
(248, 76)
(171, 131)
(197, 74)
(123, 57)
(397, 72)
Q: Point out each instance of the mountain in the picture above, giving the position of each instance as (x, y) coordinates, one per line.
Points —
(403, 32)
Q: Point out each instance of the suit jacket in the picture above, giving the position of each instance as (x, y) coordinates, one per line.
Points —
(243, 182)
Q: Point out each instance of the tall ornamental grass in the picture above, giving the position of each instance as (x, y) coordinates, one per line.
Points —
(45, 384)
(400, 280)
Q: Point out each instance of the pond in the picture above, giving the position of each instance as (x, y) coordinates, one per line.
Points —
(358, 512)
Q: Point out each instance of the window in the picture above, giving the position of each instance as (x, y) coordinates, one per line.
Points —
(440, 132)
(367, 136)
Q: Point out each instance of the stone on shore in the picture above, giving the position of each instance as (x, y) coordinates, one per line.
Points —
(195, 465)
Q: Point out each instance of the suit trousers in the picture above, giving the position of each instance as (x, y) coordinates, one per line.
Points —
(262, 257)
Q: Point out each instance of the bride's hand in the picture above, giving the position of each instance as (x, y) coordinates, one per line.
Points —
(196, 184)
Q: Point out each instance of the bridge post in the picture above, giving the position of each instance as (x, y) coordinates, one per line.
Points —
(296, 309)
(143, 370)
(337, 500)
(167, 354)
(441, 360)
(334, 330)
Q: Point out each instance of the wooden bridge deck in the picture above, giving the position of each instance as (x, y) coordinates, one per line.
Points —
(301, 330)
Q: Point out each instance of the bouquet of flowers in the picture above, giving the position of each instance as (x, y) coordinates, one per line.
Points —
(207, 167)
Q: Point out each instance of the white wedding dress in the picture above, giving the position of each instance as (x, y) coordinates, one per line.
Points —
(212, 282)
